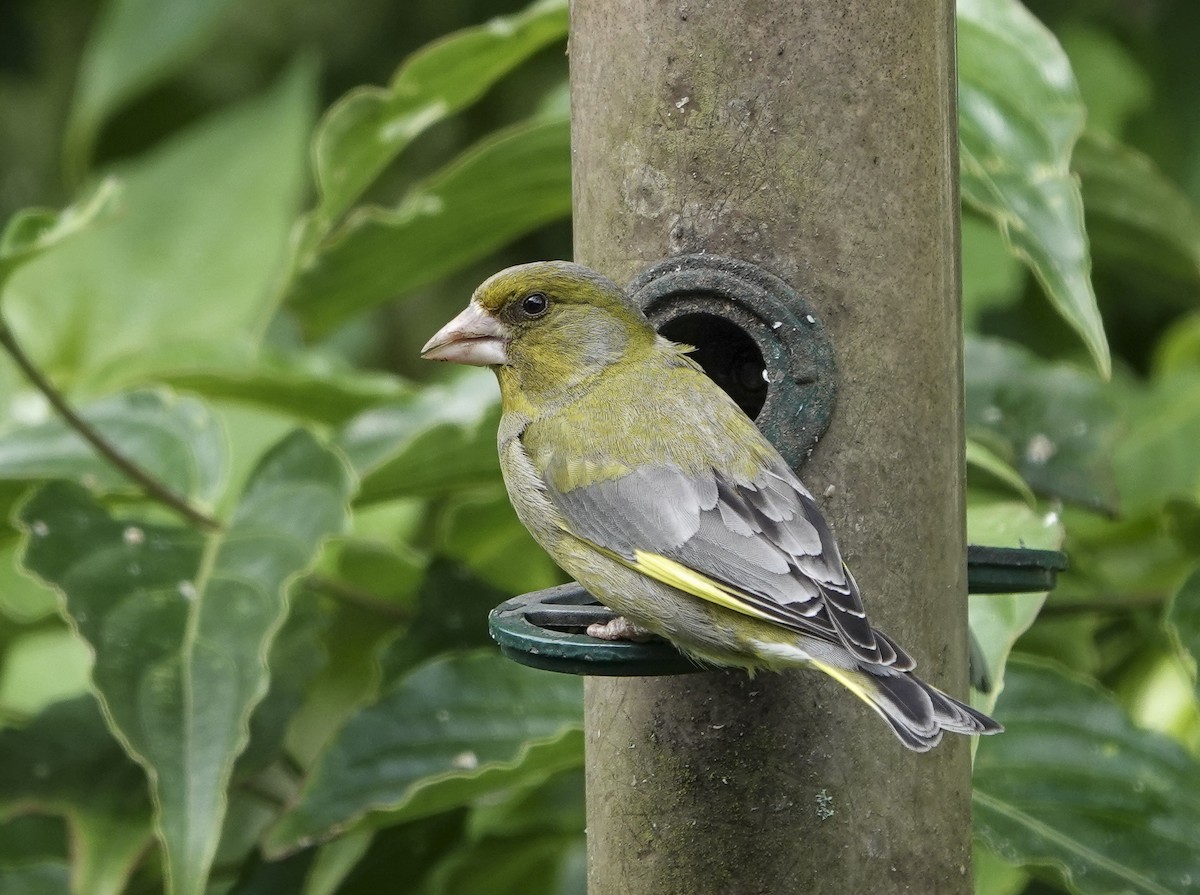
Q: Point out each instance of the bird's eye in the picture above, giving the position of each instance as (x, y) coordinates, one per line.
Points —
(534, 304)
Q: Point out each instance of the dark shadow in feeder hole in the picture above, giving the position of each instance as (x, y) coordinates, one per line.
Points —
(728, 355)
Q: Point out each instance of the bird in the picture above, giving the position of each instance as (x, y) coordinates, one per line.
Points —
(649, 485)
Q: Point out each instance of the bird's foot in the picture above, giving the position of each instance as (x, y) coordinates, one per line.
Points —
(619, 628)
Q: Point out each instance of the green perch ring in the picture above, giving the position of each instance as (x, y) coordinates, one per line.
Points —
(546, 629)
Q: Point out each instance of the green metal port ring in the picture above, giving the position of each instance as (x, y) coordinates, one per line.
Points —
(546, 629)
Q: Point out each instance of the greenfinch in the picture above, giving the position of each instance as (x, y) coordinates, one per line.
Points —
(648, 484)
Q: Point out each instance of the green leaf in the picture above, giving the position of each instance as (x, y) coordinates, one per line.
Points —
(193, 257)
(22, 598)
(334, 862)
(1020, 114)
(177, 440)
(1156, 457)
(1178, 349)
(1055, 424)
(370, 868)
(29, 837)
(1073, 785)
(308, 387)
(134, 44)
(42, 667)
(997, 620)
(482, 531)
(459, 215)
(441, 439)
(991, 277)
(1123, 562)
(451, 616)
(181, 624)
(536, 864)
(349, 677)
(40, 877)
(371, 126)
(982, 458)
(259, 877)
(453, 730)
(1114, 85)
(1136, 217)
(36, 230)
(555, 804)
(1183, 622)
(994, 876)
(65, 762)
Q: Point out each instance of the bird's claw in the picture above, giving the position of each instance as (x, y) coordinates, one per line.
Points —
(619, 628)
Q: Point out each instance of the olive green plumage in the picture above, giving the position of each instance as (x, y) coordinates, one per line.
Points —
(647, 483)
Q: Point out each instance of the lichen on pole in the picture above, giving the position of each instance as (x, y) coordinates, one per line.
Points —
(817, 140)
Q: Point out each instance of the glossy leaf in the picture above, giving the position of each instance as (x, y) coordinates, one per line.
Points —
(334, 862)
(46, 876)
(534, 864)
(1183, 622)
(36, 230)
(371, 126)
(450, 616)
(41, 667)
(23, 599)
(308, 387)
(192, 258)
(181, 623)
(1020, 114)
(1156, 457)
(65, 762)
(134, 44)
(372, 868)
(177, 440)
(1178, 351)
(453, 730)
(1073, 785)
(1115, 85)
(991, 277)
(983, 464)
(441, 439)
(555, 804)
(1136, 217)
(349, 677)
(1052, 422)
(482, 531)
(457, 216)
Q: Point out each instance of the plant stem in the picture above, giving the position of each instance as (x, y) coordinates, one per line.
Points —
(153, 488)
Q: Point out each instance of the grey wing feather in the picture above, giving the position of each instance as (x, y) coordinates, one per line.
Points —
(764, 538)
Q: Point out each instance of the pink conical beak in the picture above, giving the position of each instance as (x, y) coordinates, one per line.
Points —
(473, 337)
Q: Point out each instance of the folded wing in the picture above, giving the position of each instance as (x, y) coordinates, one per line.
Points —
(759, 546)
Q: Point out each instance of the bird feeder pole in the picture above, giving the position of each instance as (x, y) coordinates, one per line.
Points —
(816, 140)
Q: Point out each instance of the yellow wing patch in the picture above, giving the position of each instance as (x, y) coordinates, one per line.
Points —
(689, 580)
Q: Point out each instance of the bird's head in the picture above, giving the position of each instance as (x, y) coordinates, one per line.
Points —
(548, 324)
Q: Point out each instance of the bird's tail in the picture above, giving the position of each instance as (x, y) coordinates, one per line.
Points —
(917, 712)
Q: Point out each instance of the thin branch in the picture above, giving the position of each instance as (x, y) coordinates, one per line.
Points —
(354, 596)
(153, 488)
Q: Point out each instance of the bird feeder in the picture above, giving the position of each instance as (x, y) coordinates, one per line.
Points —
(816, 140)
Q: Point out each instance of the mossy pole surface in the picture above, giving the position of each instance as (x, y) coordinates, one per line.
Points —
(816, 139)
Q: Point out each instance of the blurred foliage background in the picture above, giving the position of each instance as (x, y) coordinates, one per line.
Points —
(266, 210)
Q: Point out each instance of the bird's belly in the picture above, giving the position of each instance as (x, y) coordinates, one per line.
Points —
(687, 621)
